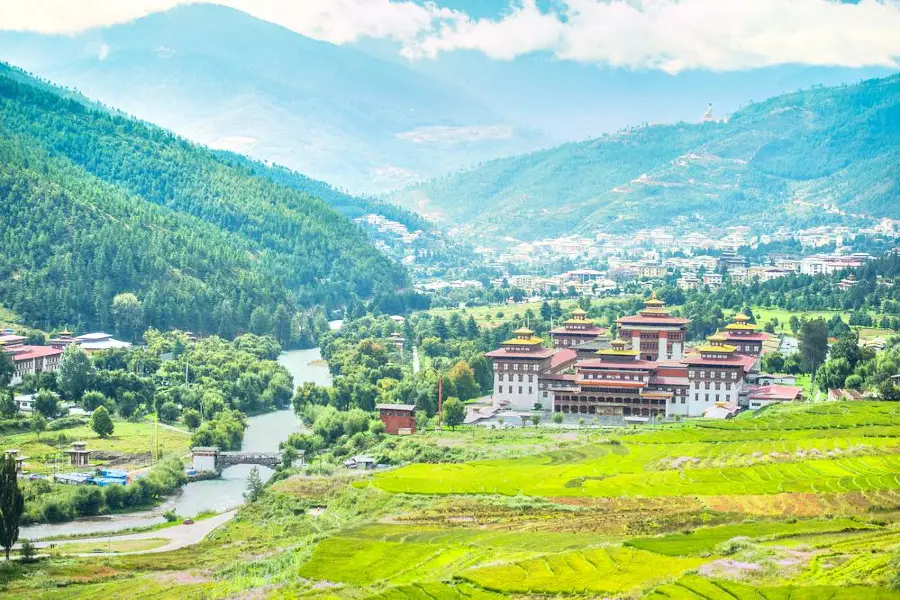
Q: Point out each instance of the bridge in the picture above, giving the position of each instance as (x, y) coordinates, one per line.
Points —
(210, 459)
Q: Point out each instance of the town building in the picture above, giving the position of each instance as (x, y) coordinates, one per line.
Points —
(96, 342)
(653, 332)
(730, 259)
(847, 282)
(743, 336)
(576, 330)
(765, 395)
(652, 271)
(713, 280)
(519, 363)
(398, 419)
(20, 460)
(31, 359)
(688, 281)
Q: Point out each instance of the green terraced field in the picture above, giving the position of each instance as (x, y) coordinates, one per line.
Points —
(706, 539)
(698, 588)
(602, 570)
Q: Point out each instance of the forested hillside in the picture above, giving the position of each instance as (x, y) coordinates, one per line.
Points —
(95, 204)
(779, 162)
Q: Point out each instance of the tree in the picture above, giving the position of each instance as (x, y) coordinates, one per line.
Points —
(288, 456)
(536, 420)
(46, 403)
(38, 424)
(558, 418)
(254, 485)
(813, 343)
(794, 324)
(281, 323)
(546, 311)
(7, 370)
(101, 422)
(128, 315)
(463, 378)
(169, 412)
(260, 321)
(92, 400)
(191, 418)
(12, 503)
(74, 372)
(454, 412)
(8, 408)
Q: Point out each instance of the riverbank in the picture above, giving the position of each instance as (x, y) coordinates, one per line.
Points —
(264, 433)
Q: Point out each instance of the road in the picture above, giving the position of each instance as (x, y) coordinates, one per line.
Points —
(179, 536)
(415, 359)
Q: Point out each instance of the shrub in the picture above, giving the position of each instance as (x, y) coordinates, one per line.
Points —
(28, 551)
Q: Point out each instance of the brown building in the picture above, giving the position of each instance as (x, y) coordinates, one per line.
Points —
(744, 337)
(79, 455)
(653, 332)
(398, 419)
(577, 330)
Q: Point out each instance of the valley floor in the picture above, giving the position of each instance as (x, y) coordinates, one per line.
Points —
(794, 502)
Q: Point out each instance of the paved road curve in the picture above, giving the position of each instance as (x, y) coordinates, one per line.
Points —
(179, 536)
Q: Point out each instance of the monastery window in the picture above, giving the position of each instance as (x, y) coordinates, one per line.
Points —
(707, 384)
(516, 367)
(682, 399)
(702, 373)
(717, 397)
(728, 385)
(707, 397)
(520, 389)
(718, 385)
(500, 377)
(530, 378)
(529, 389)
(734, 374)
(520, 377)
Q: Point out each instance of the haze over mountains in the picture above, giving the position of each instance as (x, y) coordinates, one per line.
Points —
(227, 80)
(817, 156)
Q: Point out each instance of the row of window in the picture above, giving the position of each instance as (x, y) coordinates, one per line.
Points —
(511, 375)
(718, 385)
(500, 389)
(515, 367)
(712, 374)
(615, 376)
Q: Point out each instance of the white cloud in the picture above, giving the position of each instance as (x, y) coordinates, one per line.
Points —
(671, 35)
(103, 52)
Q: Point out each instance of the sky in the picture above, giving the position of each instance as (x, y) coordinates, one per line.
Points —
(669, 36)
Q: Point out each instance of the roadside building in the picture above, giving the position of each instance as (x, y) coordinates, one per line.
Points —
(31, 359)
(96, 342)
(688, 281)
(398, 419)
(79, 455)
(716, 373)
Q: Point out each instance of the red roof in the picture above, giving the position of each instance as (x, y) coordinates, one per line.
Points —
(775, 392)
(611, 383)
(538, 353)
(591, 331)
(595, 363)
(643, 320)
(562, 357)
(737, 360)
(20, 353)
(662, 380)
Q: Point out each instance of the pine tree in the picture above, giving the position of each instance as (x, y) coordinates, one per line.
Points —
(12, 503)
(101, 422)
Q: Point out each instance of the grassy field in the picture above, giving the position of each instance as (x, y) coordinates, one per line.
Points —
(487, 315)
(111, 546)
(128, 446)
(793, 503)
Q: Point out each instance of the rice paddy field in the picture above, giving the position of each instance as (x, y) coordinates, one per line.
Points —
(791, 503)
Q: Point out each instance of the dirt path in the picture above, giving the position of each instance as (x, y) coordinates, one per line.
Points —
(179, 536)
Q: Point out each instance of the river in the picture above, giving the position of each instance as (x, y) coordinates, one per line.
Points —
(263, 434)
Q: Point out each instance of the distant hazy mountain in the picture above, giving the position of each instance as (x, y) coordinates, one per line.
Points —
(225, 79)
(785, 161)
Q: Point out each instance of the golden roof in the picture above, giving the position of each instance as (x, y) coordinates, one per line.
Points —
(578, 312)
(523, 331)
(740, 318)
(654, 301)
(533, 341)
(740, 326)
(717, 348)
(617, 352)
(717, 337)
(577, 322)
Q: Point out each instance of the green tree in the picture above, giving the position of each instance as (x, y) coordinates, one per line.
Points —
(260, 321)
(46, 403)
(128, 315)
(7, 370)
(93, 399)
(8, 408)
(254, 485)
(557, 418)
(12, 503)
(191, 418)
(38, 424)
(281, 323)
(169, 412)
(813, 343)
(536, 420)
(101, 422)
(546, 311)
(74, 372)
(454, 412)
(288, 455)
(463, 378)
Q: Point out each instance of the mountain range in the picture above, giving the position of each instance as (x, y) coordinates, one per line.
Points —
(222, 78)
(816, 156)
(95, 204)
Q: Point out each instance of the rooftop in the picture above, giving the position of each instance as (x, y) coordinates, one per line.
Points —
(403, 407)
(775, 392)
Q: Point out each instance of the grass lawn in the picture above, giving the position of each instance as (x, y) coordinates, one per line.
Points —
(764, 315)
(111, 546)
(130, 442)
(487, 315)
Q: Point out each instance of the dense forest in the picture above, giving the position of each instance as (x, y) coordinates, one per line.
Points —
(95, 204)
(823, 146)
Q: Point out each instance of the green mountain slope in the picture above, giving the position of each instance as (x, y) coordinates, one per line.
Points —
(227, 80)
(779, 162)
(96, 204)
